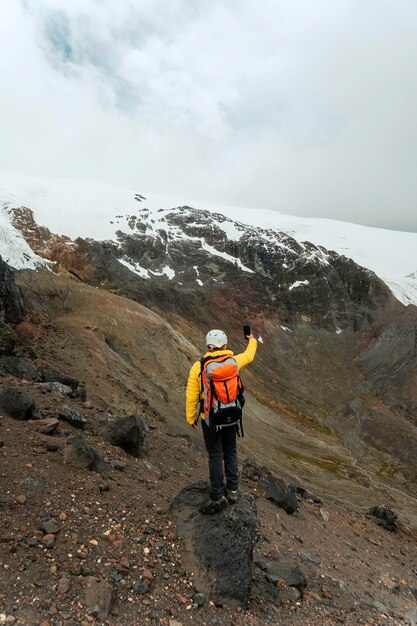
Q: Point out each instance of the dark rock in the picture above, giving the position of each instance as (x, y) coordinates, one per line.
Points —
(81, 393)
(83, 570)
(17, 403)
(219, 547)
(128, 433)
(308, 495)
(19, 368)
(287, 571)
(49, 375)
(8, 339)
(31, 542)
(50, 527)
(281, 494)
(199, 599)
(254, 470)
(140, 587)
(12, 308)
(79, 454)
(98, 597)
(72, 417)
(385, 517)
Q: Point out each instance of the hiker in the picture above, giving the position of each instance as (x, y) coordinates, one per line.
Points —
(220, 440)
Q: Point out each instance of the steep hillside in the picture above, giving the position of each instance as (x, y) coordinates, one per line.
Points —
(87, 534)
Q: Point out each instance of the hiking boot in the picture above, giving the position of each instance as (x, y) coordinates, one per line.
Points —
(214, 506)
(232, 496)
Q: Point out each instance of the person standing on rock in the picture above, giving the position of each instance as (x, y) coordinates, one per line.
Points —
(220, 440)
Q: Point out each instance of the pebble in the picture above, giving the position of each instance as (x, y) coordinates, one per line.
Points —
(63, 585)
(199, 599)
(325, 515)
(31, 542)
(50, 527)
(21, 499)
(140, 587)
(48, 541)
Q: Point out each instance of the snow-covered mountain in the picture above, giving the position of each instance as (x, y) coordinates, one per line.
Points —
(99, 211)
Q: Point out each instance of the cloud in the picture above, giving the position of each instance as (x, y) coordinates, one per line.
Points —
(306, 108)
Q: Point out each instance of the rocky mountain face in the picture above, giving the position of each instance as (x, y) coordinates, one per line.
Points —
(188, 249)
(11, 303)
(332, 391)
(11, 308)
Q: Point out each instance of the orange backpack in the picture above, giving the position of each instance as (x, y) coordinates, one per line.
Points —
(223, 390)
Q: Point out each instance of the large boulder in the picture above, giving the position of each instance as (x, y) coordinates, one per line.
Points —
(17, 403)
(82, 456)
(127, 433)
(72, 417)
(280, 493)
(49, 375)
(218, 548)
(98, 597)
(19, 368)
(384, 516)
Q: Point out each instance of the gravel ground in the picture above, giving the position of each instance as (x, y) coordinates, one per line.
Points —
(63, 529)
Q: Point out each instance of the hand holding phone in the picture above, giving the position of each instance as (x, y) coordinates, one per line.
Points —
(246, 331)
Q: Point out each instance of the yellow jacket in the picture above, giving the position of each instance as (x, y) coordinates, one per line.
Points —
(193, 394)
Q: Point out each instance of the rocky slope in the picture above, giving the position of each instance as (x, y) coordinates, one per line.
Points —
(93, 531)
(337, 365)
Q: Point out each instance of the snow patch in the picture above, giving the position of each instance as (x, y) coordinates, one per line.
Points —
(166, 271)
(228, 257)
(298, 283)
(135, 268)
(14, 249)
(288, 330)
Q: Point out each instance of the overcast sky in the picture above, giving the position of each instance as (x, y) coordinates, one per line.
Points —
(308, 107)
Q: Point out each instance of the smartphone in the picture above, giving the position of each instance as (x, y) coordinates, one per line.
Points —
(246, 331)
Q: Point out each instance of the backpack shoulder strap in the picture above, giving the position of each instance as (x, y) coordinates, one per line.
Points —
(203, 361)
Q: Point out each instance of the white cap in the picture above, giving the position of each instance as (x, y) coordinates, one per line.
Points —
(216, 339)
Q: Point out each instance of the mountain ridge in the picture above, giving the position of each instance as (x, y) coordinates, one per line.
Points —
(83, 209)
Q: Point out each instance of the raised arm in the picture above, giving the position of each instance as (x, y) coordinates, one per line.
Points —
(246, 357)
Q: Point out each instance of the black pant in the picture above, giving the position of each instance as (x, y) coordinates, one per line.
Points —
(221, 448)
